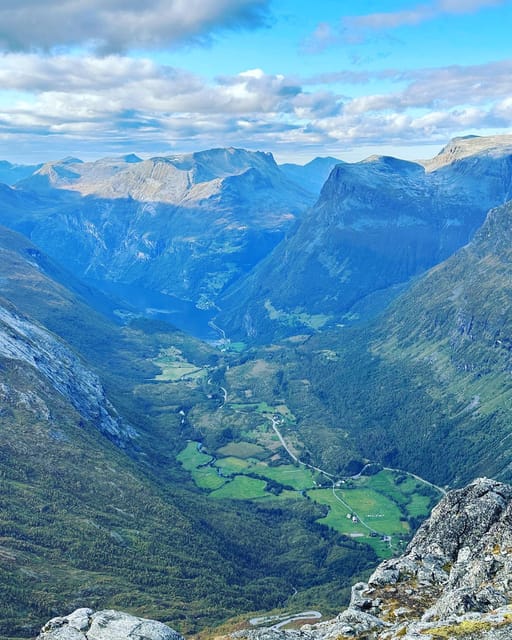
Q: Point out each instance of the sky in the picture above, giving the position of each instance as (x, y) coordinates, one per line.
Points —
(299, 78)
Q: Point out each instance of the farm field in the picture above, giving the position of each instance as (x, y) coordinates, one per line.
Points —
(380, 510)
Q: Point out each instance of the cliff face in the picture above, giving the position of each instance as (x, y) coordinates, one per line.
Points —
(24, 341)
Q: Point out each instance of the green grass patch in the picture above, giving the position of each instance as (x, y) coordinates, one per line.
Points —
(264, 407)
(419, 505)
(191, 457)
(174, 367)
(313, 321)
(232, 466)
(241, 450)
(375, 509)
(299, 478)
(208, 478)
(242, 488)
(243, 406)
(237, 347)
(197, 463)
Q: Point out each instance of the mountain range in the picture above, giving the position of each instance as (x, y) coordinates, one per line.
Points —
(377, 224)
(174, 227)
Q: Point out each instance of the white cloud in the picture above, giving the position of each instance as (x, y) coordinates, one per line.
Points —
(117, 102)
(418, 14)
(355, 29)
(120, 25)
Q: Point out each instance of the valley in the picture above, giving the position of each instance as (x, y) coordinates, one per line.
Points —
(229, 390)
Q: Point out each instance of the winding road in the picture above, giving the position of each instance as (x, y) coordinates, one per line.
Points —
(333, 478)
(285, 618)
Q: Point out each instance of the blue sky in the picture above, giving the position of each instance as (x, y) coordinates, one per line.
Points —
(300, 79)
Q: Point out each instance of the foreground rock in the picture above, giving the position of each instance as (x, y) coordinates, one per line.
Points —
(453, 581)
(84, 624)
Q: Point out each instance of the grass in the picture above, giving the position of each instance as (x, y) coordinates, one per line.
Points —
(383, 501)
(242, 488)
(242, 450)
(232, 465)
(376, 510)
(197, 463)
(191, 458)
(263, 407)
(174, 367)
(299, 478)
(236, 347)
(313, 321)
(208, 478)
(460, 630)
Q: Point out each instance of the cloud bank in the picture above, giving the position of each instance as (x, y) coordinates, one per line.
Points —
(132, 103)
(121, 25)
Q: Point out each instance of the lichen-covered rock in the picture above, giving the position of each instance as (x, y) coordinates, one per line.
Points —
(84, 624)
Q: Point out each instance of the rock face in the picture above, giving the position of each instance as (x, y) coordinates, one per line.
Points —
(83, 624)
(25, 341)
(453, 581)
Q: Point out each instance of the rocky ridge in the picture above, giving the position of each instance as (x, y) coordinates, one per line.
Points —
(467, 146)
(453, 581)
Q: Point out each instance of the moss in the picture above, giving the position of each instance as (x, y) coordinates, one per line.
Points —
(459, 630)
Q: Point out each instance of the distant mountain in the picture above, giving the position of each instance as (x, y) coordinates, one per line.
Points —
(183, 226)
(184, 180)
(460, 148)
(312, 175)
(376, 224)
(12, 173)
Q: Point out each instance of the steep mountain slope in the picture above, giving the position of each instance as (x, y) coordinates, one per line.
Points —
(83, 521)
(376, 224)
(430, 375)
(11, 173)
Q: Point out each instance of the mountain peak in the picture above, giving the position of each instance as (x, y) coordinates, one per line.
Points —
(466, 146)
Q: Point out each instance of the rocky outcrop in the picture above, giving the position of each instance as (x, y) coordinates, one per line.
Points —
(84, 624)
(453, 581)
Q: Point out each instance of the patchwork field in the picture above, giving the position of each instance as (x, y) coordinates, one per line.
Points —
(380, 510)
